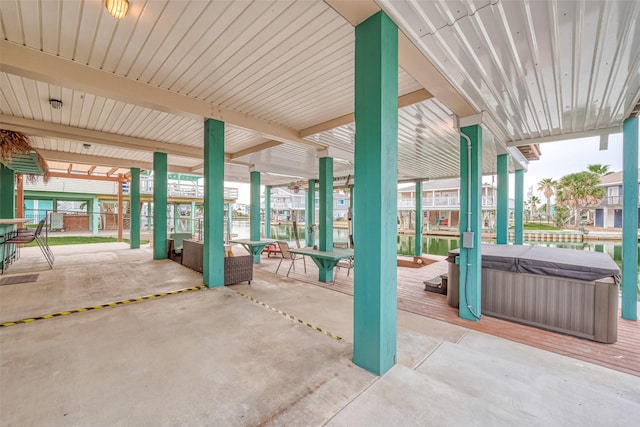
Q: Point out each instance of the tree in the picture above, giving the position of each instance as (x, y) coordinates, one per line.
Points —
(600, 170)
(578, 191)
(533, 202)
(548, 186)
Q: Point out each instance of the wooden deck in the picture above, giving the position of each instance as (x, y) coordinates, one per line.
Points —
(624, 355)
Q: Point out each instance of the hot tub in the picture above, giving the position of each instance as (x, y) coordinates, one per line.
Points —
(564, 290)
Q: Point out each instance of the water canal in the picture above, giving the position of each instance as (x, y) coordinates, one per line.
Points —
(435, 245)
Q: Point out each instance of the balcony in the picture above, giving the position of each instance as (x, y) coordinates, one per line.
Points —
(488, 202)
(185, 190)
(613, 201)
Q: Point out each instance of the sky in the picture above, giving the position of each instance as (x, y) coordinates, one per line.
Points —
(557, 159)
(565, 157)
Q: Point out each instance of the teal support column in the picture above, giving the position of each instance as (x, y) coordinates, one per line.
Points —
(7, 193)
(254, 224)
(159, 205)
(310, 215)
(229, 220)
(176, 217)
(351, 216)
(418, 248)
(134, 209)
(325, 222)
(502, 208)
(376, 194)
(630, 220)
(518, 213)
(193, 218)
(471, 220)
(267, 211)
(94, 208)
(213, 263)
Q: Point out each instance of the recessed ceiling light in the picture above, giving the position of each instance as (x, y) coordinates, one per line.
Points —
(56, 104)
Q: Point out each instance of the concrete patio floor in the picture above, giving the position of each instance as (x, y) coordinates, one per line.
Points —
(213, 357)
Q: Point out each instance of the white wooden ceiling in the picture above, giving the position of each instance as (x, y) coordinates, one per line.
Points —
(273, 69)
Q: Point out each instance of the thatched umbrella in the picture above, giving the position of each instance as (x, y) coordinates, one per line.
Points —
(14, 144)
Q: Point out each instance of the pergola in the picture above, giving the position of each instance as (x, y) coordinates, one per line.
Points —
(273, 92)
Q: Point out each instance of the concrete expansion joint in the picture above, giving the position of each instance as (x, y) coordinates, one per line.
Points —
(346, 404)
(290, 317)
(424, 359)
(99, 306)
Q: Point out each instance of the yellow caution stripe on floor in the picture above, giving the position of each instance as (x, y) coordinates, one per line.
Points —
(97, 307)
(289, 316)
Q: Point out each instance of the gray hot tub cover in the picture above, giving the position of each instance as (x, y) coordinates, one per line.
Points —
(571, 263)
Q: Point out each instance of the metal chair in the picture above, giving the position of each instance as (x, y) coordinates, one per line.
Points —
(343, 263)
(24, 238)
(284, 248)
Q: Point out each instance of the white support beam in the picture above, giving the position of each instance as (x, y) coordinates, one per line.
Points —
(568, 136)
(33, 64)
(264, 146)
(410, 58)
(403, 101)
(60, 156)
(46, 129)
(283, 171)
(336, 153)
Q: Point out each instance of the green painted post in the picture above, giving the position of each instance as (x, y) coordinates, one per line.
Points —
(159, 205)
(7, 193)
(630, 220)
(502, 208)
(518, 214)
(267, 211)
(94, 207)
(471, 202)
(193, 218)
(376, 193)
(229, 220)
(254, 224)
(134, 203)
(310, 214)
(418, 248)
(325, 222)
(213, 262)
(176, 217)
(352, 210)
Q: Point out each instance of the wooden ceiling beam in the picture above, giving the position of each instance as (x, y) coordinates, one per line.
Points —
(44, 67)
(110, 162)
(403, 101)
(254, 149)
(46, 129)
(82, 176)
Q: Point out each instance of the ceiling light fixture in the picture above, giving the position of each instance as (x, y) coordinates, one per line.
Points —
(117, 8)
(56, 104)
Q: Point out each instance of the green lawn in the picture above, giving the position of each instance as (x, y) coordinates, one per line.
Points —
(81, 240)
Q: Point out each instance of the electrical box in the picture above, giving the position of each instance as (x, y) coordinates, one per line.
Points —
(467, 240)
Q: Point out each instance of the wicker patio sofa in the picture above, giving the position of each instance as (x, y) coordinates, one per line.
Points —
(236, 268)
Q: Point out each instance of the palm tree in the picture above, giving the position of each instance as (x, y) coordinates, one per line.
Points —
(533, 202)
(601, 170)
(578, 191)
(548, 186)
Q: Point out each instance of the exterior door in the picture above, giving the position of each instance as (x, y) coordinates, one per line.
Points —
(617, 218)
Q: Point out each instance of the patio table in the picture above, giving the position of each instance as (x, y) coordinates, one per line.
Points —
(254, 247)
(325, 260)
